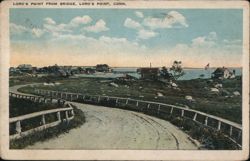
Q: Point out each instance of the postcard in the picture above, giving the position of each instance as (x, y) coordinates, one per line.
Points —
(124, 80)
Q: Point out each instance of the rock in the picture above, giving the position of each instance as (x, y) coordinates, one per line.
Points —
(156, 97)
(214, 90)
(218, 86)
(190, 98)
(105, 81)
(114, 84)
(140, 87)
(126, 86)
(159, 94)
(236, 93)
(48, 84)
(174, 85)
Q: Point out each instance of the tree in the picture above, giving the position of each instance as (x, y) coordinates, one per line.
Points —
(164, 73)
(177, 70)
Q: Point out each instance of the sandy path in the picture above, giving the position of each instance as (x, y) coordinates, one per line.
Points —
(109, 128)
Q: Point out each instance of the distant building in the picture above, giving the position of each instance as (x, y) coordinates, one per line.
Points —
(12, 69)
(102, 68)
(89, 70)
(149, 73)
(223, 73)
(25, 68)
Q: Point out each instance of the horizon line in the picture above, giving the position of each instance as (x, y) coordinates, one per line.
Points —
(134, 66)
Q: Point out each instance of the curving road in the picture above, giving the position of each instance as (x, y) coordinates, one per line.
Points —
(110, 128)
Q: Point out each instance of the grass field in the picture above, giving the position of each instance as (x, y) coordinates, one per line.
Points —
(222, 103)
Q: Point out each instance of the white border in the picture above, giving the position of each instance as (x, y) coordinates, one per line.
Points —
(126, 154)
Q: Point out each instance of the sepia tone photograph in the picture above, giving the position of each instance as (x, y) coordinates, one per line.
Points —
(116, 76)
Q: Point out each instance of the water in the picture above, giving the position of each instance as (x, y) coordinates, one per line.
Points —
(196, 73)
(189, 73)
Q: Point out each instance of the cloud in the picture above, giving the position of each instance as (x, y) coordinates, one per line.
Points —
(112, 40)
(36, 32)
(205, 41)
(49, 21)
(129, 23)
(139, 14)
(146, 34)
(80, 20)
(98, 27)
(17, 29)
(142, 33)
(55, 29)
(208, 49)
(172, 19)
(232, 42)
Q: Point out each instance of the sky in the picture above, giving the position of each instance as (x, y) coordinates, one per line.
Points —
(126, 37)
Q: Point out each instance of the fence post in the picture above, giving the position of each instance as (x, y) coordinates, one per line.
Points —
(18, 127)
(137, 103)
(70, 97)
(206, 121)
(159, 107)
(72, 112)
(126, 101)
(182, 113)
(98, 100)
(239, 135)
(43, 120)
(58, 116)
(231, 131)
(67, 116)
(116, 101)
(172, 108)
(148, 106)
(195, 115)
(219, 125)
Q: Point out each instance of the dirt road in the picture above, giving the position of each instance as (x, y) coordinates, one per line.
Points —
(109, 128)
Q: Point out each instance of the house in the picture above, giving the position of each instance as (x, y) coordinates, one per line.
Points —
(223, 73)
(25, 68)
(149, 73)
(102, 68)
